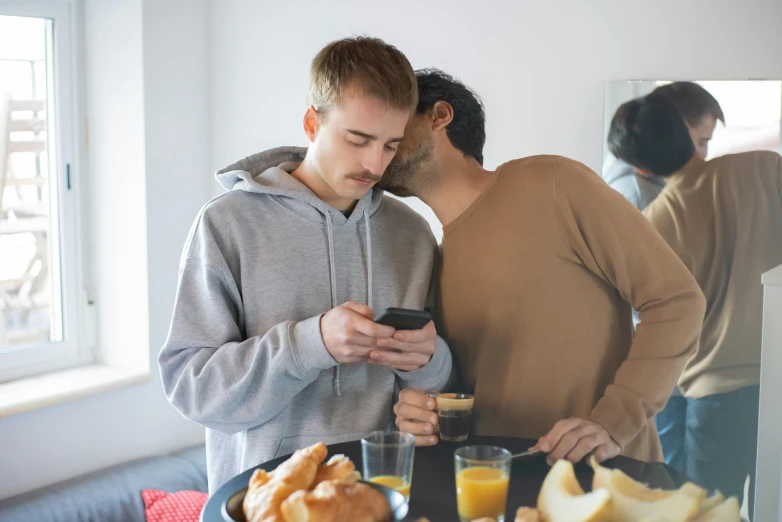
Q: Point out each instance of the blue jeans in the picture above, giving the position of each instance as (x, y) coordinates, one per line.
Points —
(671, 425)
(713, 440)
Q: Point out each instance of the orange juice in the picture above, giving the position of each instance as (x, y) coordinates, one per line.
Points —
(396, 483)
(481, 492)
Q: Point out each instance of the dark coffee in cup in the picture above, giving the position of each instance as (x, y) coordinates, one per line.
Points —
(455, 412)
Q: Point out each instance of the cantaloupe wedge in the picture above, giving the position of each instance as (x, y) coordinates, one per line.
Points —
(728, 511)
(632, 501)
(710, 503)
(561, 498)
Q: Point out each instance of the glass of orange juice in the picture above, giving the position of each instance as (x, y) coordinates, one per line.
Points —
(388, 459)
(482, 477)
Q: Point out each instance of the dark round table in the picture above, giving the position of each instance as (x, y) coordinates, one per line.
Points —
(433, 494)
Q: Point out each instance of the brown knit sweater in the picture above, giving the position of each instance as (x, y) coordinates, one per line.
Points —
(533, 300)
(723, 218)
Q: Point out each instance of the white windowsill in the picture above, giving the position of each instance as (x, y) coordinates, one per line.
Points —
(54, 388)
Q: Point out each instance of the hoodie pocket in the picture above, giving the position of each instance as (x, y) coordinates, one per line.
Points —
(290, 444)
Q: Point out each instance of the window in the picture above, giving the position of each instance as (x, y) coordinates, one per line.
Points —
(40, 279)
(752, 116)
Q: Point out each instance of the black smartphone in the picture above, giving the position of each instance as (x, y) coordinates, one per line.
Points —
(403, 318)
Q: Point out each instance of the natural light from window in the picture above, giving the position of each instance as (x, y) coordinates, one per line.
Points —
(752, 116)
(30, 288)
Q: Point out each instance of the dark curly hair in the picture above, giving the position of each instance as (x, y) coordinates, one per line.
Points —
(467, 130)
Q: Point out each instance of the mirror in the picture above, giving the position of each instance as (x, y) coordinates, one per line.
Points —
(721, 213)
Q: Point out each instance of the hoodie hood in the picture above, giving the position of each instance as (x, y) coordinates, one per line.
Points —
(621, 169)
(268, 172)
(638, 189)
(618, 169)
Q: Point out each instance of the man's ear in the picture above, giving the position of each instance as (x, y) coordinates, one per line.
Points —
(642, 172)
(311, 123)
(441, 115)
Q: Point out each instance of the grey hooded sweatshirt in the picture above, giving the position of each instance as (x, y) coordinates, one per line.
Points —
(244, 356)
(639, 190)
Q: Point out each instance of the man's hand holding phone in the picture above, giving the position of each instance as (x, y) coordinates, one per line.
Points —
(408, 349)
(350, 334)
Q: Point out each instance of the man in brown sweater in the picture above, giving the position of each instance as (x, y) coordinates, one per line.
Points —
(541, 262)
(723, 218)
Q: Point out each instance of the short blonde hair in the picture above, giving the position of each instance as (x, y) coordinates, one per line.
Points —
(376, 68)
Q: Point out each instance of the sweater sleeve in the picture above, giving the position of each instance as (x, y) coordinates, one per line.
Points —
(615, 242)
(211, 372)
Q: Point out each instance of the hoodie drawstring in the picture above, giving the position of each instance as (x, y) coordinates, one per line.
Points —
(331, 262)
(369, 258)
(333, 270)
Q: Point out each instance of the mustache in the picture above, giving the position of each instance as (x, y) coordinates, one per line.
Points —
(364, 176)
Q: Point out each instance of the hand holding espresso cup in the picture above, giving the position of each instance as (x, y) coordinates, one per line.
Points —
(415, 413)
(427, 414)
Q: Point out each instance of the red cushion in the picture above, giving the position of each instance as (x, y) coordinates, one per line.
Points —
(182, 506)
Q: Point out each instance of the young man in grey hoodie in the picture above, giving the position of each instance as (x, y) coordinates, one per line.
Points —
(272, 345)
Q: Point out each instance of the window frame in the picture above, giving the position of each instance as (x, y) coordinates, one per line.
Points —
(68, 262)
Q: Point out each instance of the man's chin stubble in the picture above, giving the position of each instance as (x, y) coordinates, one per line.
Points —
(402, 191)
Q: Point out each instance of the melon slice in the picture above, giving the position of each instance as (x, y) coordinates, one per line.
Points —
(561, 498)
(728, 511)
(633, 501)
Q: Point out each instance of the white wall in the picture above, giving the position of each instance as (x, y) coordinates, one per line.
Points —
(178, 176)
(539, 66)
(116, 158)
(147, 93)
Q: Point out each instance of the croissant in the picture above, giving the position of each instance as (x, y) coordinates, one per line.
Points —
(525, 514)
(339, 467)
(267, 491)
(337, 501)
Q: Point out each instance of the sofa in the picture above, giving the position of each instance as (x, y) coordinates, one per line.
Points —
(112, 494)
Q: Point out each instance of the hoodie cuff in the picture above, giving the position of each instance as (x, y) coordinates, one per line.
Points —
(308, 343)
(434, 375)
